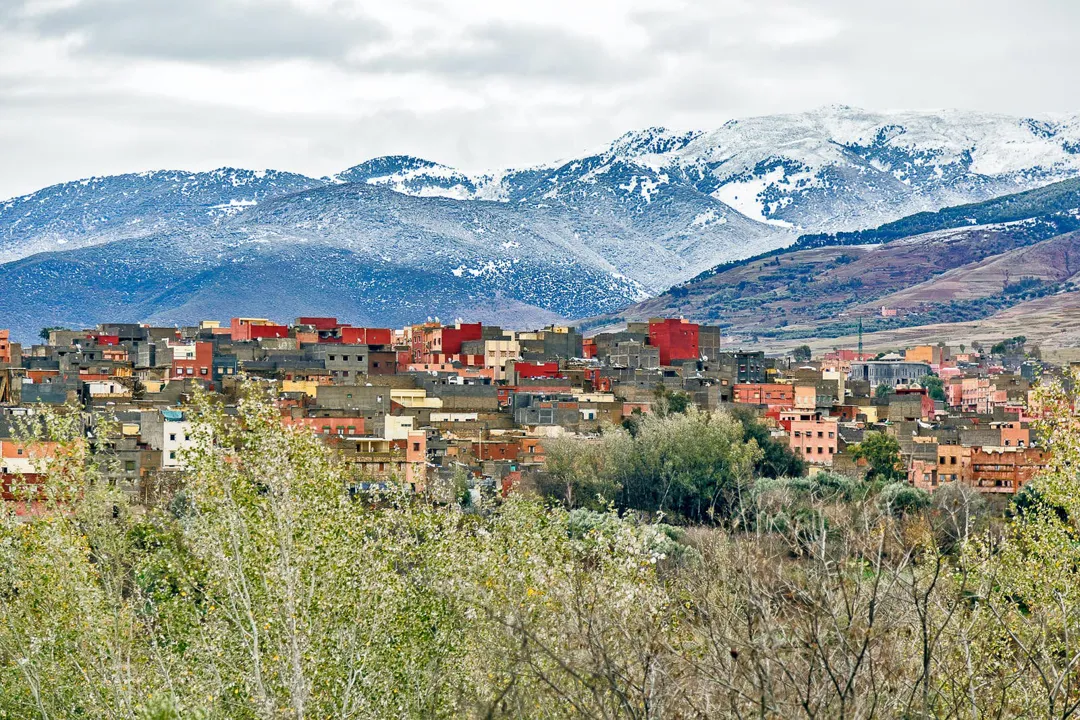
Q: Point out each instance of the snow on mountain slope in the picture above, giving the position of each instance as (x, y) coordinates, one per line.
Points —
(96, 210)
(834, 168)
(570, 238)
(364, 252)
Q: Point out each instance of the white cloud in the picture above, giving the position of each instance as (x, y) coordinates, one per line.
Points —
(314, 86)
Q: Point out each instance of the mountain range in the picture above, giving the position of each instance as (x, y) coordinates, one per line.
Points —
(397, 239)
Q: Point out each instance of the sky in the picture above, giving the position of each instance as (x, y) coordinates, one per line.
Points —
(98, 87)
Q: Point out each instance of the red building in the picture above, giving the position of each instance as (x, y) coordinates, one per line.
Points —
(107, 340)
(676, 339)
(452, 337)
(321, 324)
(246, 329)
(770, 395)
(367, 336)
(532, 371)
(194, 361)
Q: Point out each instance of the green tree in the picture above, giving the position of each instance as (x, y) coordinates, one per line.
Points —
(882, 391)
(692, 465)
(802, 353)
(935, 387)
(882, 454)
(580, 473)
(44, 332)
(777, 458)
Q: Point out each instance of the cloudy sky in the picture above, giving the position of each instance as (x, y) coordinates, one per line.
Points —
(92, 87)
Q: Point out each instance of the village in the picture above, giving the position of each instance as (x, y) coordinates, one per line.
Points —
(435, 401)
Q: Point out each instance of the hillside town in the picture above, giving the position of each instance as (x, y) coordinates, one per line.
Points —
(436, 401)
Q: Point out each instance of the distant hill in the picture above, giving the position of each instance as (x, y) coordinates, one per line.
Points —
(954, 272)
(1049, 201)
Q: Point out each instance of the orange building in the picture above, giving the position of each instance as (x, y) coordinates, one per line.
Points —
(771, 395)
(1004, 470)
(5, 346)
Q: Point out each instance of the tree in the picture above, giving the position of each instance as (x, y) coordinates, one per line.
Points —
(935, 387)
(882, 454)
(579, 472)
(801, 353)
(45, 331)
(777, 458)
(882, 391)
(692, 465)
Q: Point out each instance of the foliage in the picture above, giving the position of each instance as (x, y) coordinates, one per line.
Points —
(45, 331)
(882, 454)
(935, 387)
(265, 590)
(777, 459)
(882, 391)
(1010, 346)
(902, 499)
(801, 353)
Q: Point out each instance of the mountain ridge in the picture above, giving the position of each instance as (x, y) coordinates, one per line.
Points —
(649, 210)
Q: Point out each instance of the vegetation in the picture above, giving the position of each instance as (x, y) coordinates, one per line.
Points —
(801, 353)
(1011, 346)
(935, 387)
(882, 455)
(45, 331)
(1052, 202)
(266, 589)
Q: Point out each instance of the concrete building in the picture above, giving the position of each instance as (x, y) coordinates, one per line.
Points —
(888, 372)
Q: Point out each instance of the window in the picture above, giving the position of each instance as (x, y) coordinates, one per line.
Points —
(416, 447)
(129, 466)
(172, 454)
(172, 437)
(344, 358)
(332, 357)
(202, 371)
(941, 460)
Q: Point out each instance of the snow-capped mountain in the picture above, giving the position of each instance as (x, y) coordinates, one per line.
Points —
(578, 237)
(91, 211)
(836, 168)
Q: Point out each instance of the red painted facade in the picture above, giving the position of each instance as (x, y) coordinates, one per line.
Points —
(367, 336)
(323, 324)
(452, 337)
(242, 329)
(676, 340)
(546, 370)
(202, 367)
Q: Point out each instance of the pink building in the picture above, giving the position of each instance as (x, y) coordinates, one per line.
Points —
(811, 435)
